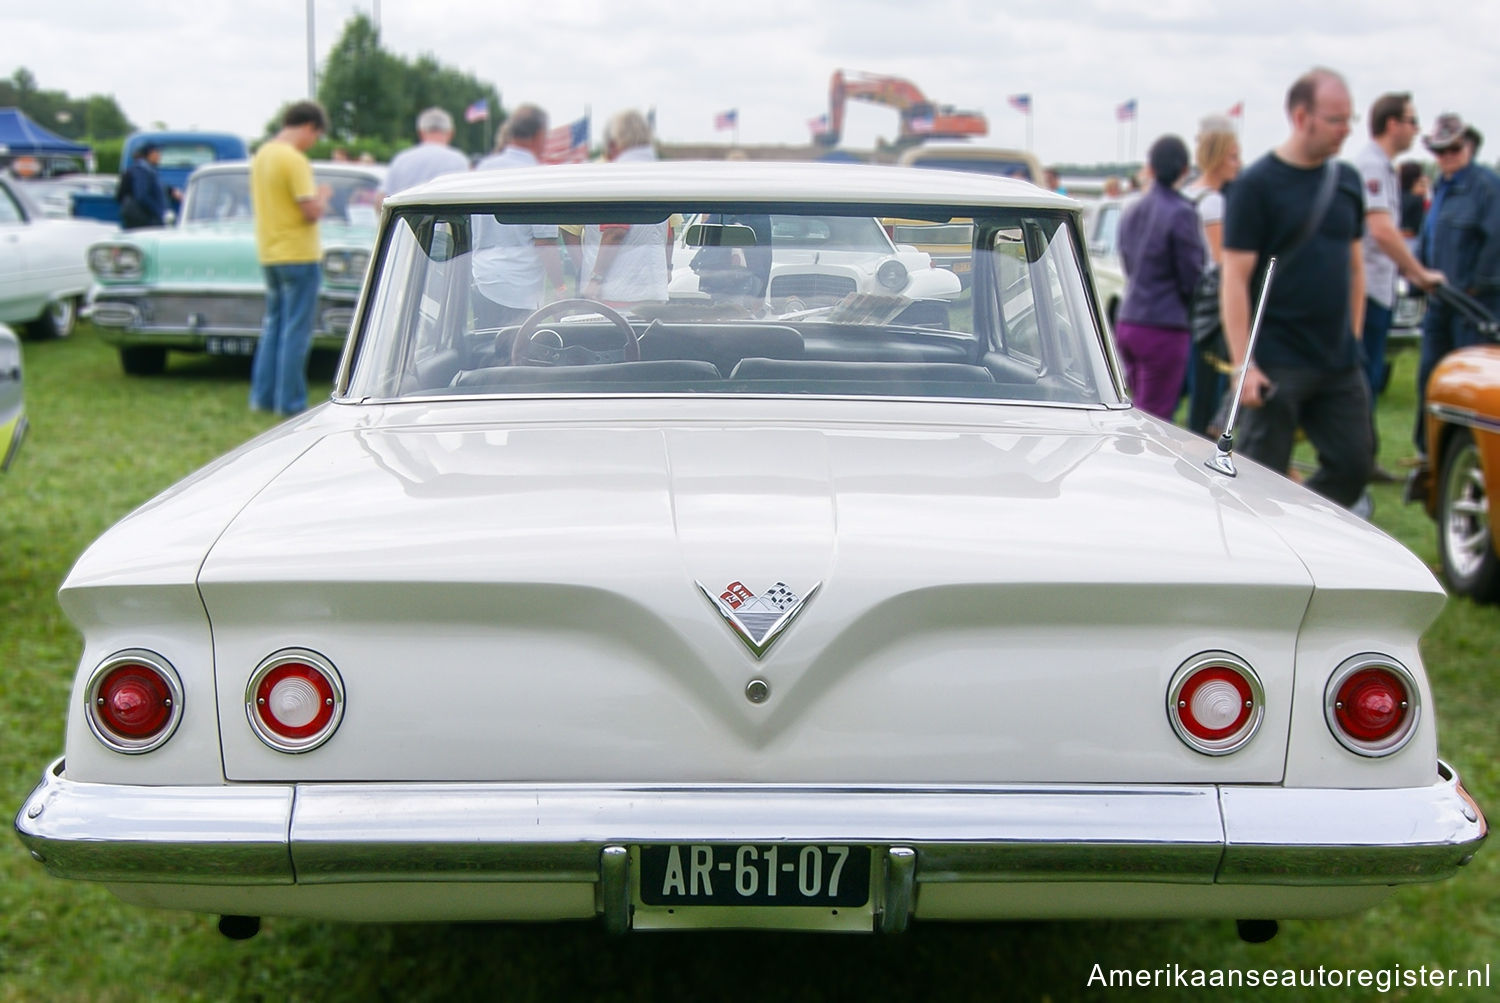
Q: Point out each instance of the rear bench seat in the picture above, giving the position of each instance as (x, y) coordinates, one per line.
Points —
(819, 371)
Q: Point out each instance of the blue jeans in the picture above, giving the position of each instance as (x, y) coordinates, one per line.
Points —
(1372, 343)
(278, 376)
(1443, 330)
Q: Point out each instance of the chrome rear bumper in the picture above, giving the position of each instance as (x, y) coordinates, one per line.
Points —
(316, 834)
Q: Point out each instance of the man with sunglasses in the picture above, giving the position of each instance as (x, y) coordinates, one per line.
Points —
(1461, 239)
(1393, 129)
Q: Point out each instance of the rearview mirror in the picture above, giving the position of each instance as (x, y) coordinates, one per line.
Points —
(719, 235)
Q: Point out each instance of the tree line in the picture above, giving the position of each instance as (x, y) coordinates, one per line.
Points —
(372, 97)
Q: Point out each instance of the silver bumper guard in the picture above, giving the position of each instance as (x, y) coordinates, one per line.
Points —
(332, 833)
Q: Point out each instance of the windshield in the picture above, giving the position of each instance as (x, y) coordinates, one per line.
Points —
(219, 196)
(701, 299)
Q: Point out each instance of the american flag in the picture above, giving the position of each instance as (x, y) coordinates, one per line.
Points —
(1126, 111)
(479, 111)
(1238, 111)
(920, 123)
(567, 144)
(1021, 103)
(727, 119)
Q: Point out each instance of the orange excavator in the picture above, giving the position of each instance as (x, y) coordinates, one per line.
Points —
(920, 118)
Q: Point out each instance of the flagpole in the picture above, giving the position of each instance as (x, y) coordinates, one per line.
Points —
(1030, 111)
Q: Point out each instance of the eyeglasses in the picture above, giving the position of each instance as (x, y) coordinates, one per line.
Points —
(1445, 151)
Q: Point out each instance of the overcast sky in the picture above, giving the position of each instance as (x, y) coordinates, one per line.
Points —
(223, 64)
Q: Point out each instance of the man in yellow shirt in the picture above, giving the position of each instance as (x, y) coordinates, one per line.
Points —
(288, 204)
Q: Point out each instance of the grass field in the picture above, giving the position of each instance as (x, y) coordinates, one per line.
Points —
(101, 444)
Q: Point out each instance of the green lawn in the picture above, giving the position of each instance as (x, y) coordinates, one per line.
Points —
(102, 444)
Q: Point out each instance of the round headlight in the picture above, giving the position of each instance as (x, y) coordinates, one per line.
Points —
(335, 265)
(127, 262)
(102, 261)
(892, 275)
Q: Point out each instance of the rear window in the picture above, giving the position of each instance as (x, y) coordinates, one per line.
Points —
(659, 299)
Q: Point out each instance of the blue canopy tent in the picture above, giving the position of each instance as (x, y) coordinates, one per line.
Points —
(21, 138)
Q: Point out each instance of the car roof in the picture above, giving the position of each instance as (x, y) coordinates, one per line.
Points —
(375, 171)
(730, 181)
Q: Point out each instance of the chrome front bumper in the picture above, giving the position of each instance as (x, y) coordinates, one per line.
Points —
(319, 834)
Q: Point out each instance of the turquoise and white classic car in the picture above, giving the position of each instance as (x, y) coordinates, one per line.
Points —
(198, 287)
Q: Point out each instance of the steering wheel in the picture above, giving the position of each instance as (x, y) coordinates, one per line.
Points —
(528, 350)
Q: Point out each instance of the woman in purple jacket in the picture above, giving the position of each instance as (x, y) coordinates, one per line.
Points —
(1161, 249)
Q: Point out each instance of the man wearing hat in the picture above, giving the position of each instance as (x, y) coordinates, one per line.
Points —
(1461, 239)
(143, 200)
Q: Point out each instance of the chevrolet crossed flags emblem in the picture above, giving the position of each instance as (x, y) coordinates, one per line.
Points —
(757, 619)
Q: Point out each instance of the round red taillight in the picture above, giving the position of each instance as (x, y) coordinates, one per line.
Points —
(1215, 703)
(134, 701)
(295, 701)
(1371, 705)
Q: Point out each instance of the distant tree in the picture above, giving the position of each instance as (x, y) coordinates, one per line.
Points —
(94, 117)
(432, 85)
(373, 95)
(362, 85)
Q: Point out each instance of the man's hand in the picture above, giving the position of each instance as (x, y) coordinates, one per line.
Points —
(1257, 388)
(1427, 279)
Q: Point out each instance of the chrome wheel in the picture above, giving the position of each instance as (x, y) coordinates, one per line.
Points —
(1464, 535)
(57, 320)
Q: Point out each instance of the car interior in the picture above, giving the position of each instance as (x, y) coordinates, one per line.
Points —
(1024, 330)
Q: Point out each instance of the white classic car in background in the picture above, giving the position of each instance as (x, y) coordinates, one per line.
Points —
(822, 620)
(12, 398)
(1101, 221)
(44, 270)
(814, 261)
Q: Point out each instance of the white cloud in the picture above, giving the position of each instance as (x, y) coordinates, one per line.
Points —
(231, 65)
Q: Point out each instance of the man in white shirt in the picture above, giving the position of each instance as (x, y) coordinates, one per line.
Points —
(431, 158)
(510, 261)
(1393, 128)
(626, 263)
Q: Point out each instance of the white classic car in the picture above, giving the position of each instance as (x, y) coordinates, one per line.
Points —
(1101, 221)
(813, 262)
(12, 398)
(44, 271)
(679, 615)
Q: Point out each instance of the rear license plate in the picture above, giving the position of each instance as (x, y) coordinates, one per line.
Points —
(221, 345)
(775, 874)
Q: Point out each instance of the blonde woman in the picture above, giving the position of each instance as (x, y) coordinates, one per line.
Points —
(1218, 158)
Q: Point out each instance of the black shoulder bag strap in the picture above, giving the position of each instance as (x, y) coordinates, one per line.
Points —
(1320, 209)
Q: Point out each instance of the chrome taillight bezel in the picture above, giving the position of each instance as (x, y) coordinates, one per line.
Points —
(265, 731)
(1399, 738)
(1241, 736)
(158, 666)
